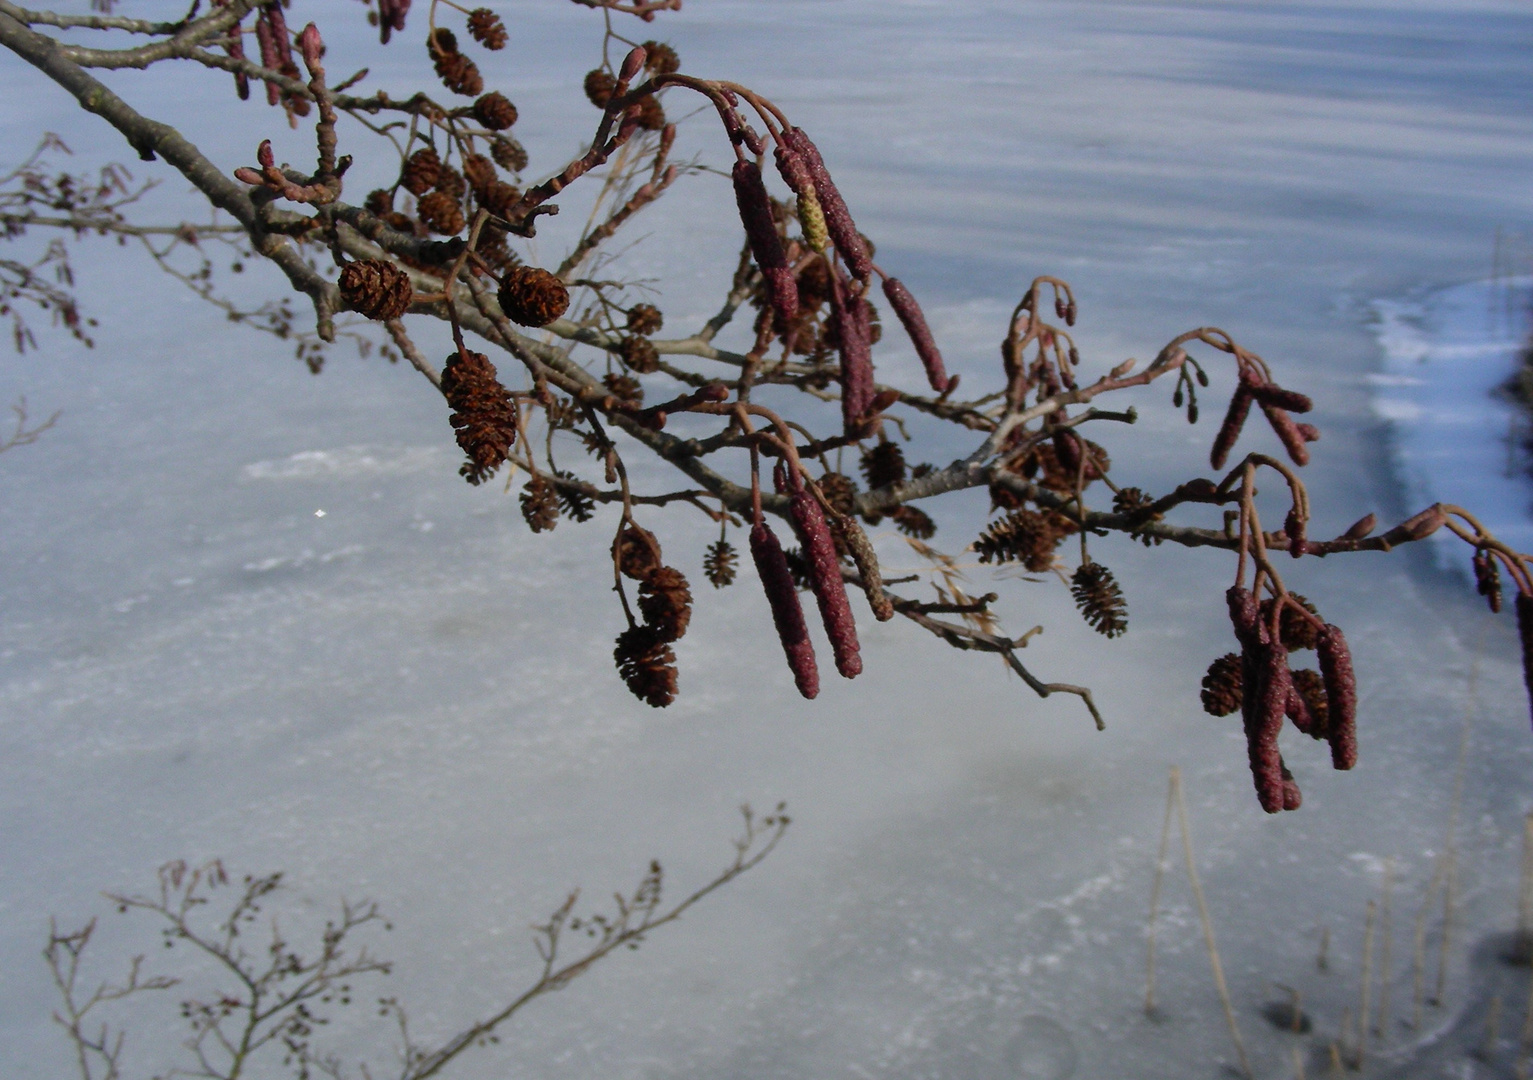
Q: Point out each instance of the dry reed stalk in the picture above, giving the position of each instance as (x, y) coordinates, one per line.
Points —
(1160, 873)
(1298, 1064)
(1525, 894)
(1386, 960)
(1369, 926)
(1322, 958)
(1337, 1072)
(1419, 950)
(1208, 925)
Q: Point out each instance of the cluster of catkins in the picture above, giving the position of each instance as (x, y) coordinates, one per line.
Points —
(1276, 403)
(1258, 682)
(827, 225)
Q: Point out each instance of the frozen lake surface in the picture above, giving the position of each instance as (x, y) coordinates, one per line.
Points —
(410, 698)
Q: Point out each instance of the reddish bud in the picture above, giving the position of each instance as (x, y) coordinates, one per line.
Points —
(312, 46)
(909, 312)
(787, 614)
(1360, 528)
(633, 63)
(1341, 695)
(825, 577)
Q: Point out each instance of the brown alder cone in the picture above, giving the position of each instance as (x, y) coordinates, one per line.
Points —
(378, 289)
(840, 492)
(825, 578)
(638, 354)
(647, 664)
(720, 564)
(494, 111)
(485, 27)
(540, 504)
(379, 202)
(450, 181)
(787, 613)
(1314, 717)
(625, 387)
(599, 86)
(645, 319)
(479, 171)
(441, 213)
(508, 153)
(665, 601)
(1026, 536)
(498, 197)
(661, 58)
(493, 250)
(531, 296)
(637, 552)
(1099, 599)
(482, 413)
(459, 74)
(420, 171)
(1294, 630)
(1221, 692)
(913, 521)
(884, 465)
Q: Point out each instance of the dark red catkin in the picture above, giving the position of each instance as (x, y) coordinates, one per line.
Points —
(281, 38)
(1297, 709)
(766, 245)
(234, 45)
(270, 59)
(1267, 393)
(1292, 797)
(825, 577)
(838, 219)
(1067, 450)
(909, 311)
(1264, 724)
(1341, 695)
(787, 614)
(1524, 605)
(1288, 432)
(1229, 431)
(856, 359)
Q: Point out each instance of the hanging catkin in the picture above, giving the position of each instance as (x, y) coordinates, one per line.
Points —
(1340, 695)
(825, 577)
(787, 614)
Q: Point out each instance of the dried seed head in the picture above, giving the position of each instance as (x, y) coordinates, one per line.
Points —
(441, 42)
(910, 316)
(599, 86)
(1340, 694)
(840, 492)
(479, 171)
(508, 153)
(883, 465)
(720, 564)
(1221, 693)
(420, 171)
(636, 551)
(660, 58)
(624, 386)
(913, 521)
(1025, 536)
(645, 319)
(649, 113)
(540, 504)
(531, 296)
(787, 614)
(482, 413)
(378, 289)
(459, 74)
(575, 504)
(441, 213)
(665, 601)
(1099, 599)
(638, 354)
(825, 578)
(494, 111)
(647, 664)
(379, 202)
(485, 27)
(1134, 504)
